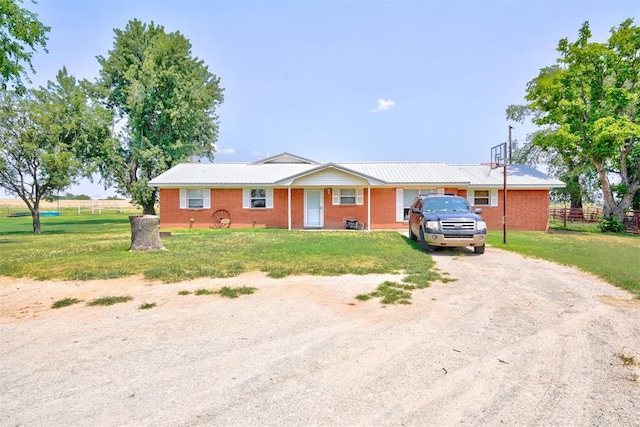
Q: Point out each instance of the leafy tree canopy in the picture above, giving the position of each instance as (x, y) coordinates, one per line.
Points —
(588, 107)
(163, 100)
(20, 35)
(44, 135)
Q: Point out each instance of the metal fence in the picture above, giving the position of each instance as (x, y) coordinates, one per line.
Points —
(593, 214)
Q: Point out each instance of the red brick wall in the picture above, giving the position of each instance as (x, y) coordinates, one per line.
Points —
(335, 216)
(526, 210)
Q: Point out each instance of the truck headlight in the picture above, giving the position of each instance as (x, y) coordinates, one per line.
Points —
(433, 225)
(481, 226)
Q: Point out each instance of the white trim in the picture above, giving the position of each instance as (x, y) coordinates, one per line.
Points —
(321, 213)
(206, 198)
(399, 204)
(246, 198)
(289, 207)
(494, 197)
(359, 196)
(183, 198)
(368, 208)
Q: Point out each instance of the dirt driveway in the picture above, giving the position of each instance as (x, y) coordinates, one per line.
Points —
(513, 341)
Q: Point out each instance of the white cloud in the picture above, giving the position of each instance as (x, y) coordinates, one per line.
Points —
(224, 150)
(384, 105)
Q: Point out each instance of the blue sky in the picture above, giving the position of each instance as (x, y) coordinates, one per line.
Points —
(350, 80)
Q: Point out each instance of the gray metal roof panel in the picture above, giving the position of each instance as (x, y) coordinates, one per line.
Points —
(408, 172)
(387, 173)
(228, 173)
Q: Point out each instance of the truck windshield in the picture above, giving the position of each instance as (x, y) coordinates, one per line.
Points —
(445, 204)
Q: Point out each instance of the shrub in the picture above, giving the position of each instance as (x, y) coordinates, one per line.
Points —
(610, 223)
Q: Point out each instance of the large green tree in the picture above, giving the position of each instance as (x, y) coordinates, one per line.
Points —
(588, 106)
(45, 134)
(20, 35)
(164, 104)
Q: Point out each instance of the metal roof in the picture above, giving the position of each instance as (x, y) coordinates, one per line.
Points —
(377, 173)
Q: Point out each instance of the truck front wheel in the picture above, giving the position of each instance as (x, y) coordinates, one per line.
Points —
(423, 241)
(411, 235)
(478, 249)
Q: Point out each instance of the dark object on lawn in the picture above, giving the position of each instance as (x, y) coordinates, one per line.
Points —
(144, 233)
(18, 214)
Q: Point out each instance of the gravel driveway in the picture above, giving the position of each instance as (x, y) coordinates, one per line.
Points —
(513, 341)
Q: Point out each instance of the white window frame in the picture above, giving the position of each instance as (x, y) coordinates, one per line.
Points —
(337, 196)
(402, 211)
(249, 196)
(493, 197)
(187, 195)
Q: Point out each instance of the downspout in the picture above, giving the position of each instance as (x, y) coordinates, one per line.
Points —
(369, 207)
(289, 206)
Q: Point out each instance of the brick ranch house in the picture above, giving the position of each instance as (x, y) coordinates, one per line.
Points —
(291, 192)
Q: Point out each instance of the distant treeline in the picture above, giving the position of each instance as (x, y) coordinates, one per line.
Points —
(71, 196)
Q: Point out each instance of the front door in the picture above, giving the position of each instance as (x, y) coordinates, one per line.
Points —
(313, 208)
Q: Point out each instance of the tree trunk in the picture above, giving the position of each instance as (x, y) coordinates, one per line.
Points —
(149, 209)
(144, 233)
(35, 216)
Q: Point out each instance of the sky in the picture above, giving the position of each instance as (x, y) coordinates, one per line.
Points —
(345, 80)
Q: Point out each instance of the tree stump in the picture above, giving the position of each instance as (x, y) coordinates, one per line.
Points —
(144, 233)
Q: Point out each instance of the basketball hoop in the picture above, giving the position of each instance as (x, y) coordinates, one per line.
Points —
(499, 156)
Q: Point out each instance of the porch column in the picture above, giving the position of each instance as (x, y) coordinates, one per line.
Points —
(369, 208)
(289, 206)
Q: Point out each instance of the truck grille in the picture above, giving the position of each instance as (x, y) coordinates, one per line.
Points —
(457, 226)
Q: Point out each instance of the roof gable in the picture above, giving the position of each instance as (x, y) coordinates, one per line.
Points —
(285, 158)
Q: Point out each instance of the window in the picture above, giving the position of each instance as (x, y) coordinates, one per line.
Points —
(408, 197)
(195, 198)
(481, 198)
(348, 196)
(404, 198)
(257, 198)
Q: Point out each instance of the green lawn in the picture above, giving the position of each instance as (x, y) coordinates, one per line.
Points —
(612, 257)
(96, 247)
(82, 247)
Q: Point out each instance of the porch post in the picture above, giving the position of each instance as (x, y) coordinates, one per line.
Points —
(289, 206)
(369, 208)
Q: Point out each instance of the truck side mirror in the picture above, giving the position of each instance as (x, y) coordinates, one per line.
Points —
(416, 210)
(478, 211)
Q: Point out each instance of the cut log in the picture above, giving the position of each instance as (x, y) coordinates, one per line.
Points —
(145, 235)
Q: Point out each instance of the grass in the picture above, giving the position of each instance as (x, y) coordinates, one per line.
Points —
(110, 300)
(225, 291)
(65, 302)
(83, 247)
(627, 360)
(96, 247)
(147, 305)
(612, 257)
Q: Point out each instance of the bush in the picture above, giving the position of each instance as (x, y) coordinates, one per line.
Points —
(610, 223)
